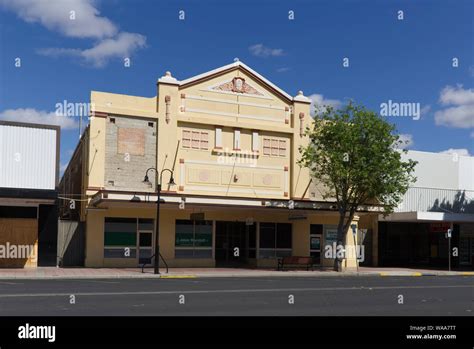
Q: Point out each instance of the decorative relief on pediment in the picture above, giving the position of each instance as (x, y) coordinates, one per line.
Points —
(237, 85)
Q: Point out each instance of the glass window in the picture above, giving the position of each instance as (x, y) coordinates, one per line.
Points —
(204, 140)
(282, 147)
(124, 252)
(120, 232)
(146, 239)
(120, 237)
(193, 239)
(196, 139)
(146, 224)
(275, 240)
(274, 147)
(266, 146)
(267, 235)
(283, 235)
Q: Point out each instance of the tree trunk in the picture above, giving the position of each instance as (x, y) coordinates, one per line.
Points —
(340, 238)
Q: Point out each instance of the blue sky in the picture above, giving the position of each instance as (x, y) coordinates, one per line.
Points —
(409, 60)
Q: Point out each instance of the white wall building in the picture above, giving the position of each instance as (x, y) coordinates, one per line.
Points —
(441, 198)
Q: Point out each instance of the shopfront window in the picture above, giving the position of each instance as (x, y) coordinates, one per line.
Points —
(193, 239)
(120, 238)
(275, 240)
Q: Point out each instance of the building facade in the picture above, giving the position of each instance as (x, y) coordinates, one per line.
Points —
(231, 140)
(29, 176)
(442, 198)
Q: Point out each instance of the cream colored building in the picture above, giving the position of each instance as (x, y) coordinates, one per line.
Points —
(231, 139)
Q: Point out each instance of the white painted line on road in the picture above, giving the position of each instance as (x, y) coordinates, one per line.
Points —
(230, 291)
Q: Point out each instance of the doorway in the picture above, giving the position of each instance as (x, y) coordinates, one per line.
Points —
(316, 232)
(235, 243)
(145, 249)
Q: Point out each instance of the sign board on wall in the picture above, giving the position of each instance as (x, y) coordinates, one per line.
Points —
(330, 236)
(441, 227)
(199, 216)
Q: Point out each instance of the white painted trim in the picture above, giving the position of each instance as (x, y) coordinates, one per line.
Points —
(218, 138)
(181, 174)
(226, 101)
(189, 200)
(255, 141)
(234, 115)
(236, 139)
(236, 64)
(202, 162)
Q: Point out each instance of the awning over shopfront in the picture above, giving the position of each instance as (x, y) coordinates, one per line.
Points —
(105, 199)
(423, 216)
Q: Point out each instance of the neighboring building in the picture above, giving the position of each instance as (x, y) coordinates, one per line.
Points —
(29, 172)
(442, 198)
(231, 138)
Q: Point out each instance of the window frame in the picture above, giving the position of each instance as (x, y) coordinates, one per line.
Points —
(274, 147)
(275, 252)
(195, 248)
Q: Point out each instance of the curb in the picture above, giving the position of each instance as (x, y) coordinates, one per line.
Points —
(428, 274)
(194, 276)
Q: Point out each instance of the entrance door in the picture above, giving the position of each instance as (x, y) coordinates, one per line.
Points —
(145, 249)
(315, 248)
(232, 243)
(315, 238)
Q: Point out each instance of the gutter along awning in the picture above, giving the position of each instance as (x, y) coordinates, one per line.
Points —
(105, 199)
(423, 216)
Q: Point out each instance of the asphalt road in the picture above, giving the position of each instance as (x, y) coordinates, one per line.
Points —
(358, 296)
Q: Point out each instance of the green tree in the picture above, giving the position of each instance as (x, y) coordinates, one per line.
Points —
(354, 153)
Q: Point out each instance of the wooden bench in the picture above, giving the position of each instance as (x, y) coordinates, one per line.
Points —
(295, 261)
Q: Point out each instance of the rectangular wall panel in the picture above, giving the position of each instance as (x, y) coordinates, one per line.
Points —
(28, 157)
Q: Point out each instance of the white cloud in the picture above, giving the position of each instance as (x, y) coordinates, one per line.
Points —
(407, 141)
(461, 112)
(282, 70)
(56, 16)
(426, 109)
(121, 46)
(263, 51)
(34, 116)
(456, 95)
(318, 100)
(460, 117)
(460, 152)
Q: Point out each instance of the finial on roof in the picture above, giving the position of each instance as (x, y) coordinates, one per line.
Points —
(300, 97)
(236, 59)
(168, 78)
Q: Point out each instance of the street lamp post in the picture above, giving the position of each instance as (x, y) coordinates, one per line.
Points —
(158, 180)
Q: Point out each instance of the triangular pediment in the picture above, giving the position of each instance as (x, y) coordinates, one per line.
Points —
(239, 79)
(237, 85)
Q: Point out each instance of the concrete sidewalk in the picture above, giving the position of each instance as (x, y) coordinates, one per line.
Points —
(130, 273)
